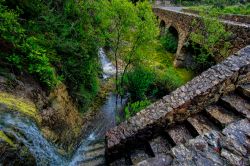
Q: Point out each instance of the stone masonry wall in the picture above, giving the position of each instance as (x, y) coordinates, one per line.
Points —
(189, 99)
(182, 22)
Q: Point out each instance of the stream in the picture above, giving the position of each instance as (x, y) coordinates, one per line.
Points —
(26, 131)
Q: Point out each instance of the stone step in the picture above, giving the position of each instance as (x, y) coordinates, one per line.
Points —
(94, 153)
(244, 90)
(119, 162)
(179, 134)
(100, 161)
(138, 155)
(220, 115)
(203, 150)
(95, 147)
(236, 103)
(200, 124)
(160, 160)
(160, 145)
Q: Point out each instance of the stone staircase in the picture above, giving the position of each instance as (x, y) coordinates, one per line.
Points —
(218, 135)
(94, 154)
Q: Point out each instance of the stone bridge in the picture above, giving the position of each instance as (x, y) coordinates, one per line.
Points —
(181, 22)
(204, 122)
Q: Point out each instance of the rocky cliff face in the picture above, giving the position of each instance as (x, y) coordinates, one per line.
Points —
(54, 112)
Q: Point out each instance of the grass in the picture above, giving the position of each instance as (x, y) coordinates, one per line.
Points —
(163, 62)
(235, 9)
(20, 105)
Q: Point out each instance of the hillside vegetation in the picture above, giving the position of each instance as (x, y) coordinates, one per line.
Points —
(55, 41)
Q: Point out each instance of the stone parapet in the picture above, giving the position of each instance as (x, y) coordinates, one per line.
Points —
(189, 99)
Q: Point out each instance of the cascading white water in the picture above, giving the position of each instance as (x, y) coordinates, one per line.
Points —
(106, 118)
(26, 131)
(107, 67)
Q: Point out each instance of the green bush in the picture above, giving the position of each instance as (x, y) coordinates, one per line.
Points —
(213, 36)
(169, 42)
(132, 108)
(138, 82)
(170, 80)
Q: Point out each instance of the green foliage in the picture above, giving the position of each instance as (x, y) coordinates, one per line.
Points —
(215, 3)
(129, 29)
(138, 82)
(169, 80)
(55, 41)
(39, 63)
(10, 29)
(212, 38)
(243, 9)
(132, 108)
(169, 42)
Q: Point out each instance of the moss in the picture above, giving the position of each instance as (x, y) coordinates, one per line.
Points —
(163, 61)
(4, 138)
(18, 104)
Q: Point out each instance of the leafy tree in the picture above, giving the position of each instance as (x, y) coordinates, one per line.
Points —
(129, 29)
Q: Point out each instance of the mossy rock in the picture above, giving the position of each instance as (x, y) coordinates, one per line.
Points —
(20, 105)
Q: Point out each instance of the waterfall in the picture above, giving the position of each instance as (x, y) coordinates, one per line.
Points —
(107, 67)
(26, 131)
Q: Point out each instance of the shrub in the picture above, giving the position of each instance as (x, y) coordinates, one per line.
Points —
(132, 108)
(169, 42)
(170, 80)
(212, 39)
(138, 82)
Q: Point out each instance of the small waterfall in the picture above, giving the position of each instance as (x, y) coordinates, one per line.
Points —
(107, 67)
(26, 131)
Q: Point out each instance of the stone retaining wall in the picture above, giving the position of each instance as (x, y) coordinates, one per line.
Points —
(180, 104)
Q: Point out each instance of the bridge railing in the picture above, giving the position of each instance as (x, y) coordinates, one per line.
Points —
(189, 99)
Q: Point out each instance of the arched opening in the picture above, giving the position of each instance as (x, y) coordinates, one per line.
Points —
(169, 39)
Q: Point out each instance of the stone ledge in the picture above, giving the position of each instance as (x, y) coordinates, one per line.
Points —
(189, 99)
